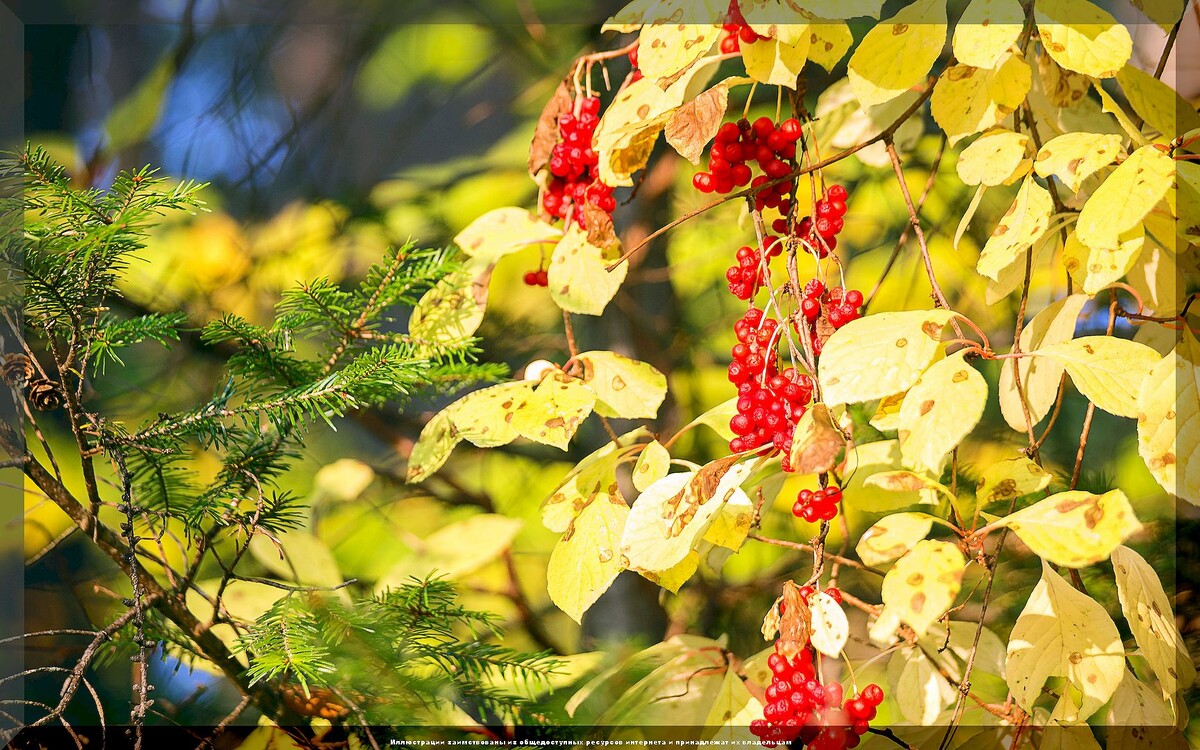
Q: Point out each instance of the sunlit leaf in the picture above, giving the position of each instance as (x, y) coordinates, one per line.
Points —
(892, 537)
(940, 409)
(830, 628)
(878, 355)
(986, 30)
(554, 410)
(998, 157)
(1075, 528)
(1148, 612)
(1010, 479)
(504, 231)
(585, 562)
(1121, 203)
(1107, 370)
(579, 279)
(624, 387)
(897, 53)
(923, 584)
(1040, 376)
(652, 465)
(967, 100)
(1073, 157)
(1022, 225)
(1168, 427)
(1082, 37)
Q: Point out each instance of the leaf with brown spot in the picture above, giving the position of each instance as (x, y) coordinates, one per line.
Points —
(1169, 401)
(1151, 620)
(554, 410)
(924, 583)
(817, 441)
(1010, 479)
(1075, 528)
(624, 387)
(545, 133)
(939, 411)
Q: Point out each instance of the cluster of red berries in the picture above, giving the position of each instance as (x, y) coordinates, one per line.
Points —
(573, 166)
(633, 60)
(738, 144)
(835, 306)
(821, 229)
(818, 505)
(537, 278)
(751, 272)
(800, 708)
(736, 30)
(769, 401)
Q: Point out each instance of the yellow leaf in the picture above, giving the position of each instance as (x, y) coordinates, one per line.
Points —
(1082, 37)
(585, 562)
(1163, 12)
(1150, 617)
(1094, 268)
(485, 417)
(1107, 370)
(451, 311)
(896, 55)
(923, 584)
(624, 387)
(717, 418)
(775, 62)
(845, 123)
(995, 158)
(732, 523)
(1039, 375)
(1005, 481)
(830, 628)
(1121, 203)
(840, 9)
(434, 445)
(593, 476)
(673, 578)
(1157, 103)
(579, 279)
(1022, 225)
(939, 411)
(1075, 528)
(816, 443)
(887, 413)
(652, 465)
(673, 513)
(1064, 633)
(503, 231)
(892, 536)
(967, 100)
(907, 482)
(986, 30)
(879, 355)
(919, 690)
(1139, 719)
(628, 129)
(1156, 276)
(554, 411)
(1168, 420)
(341, 481)
(1073, 157)
(828, 42)
(1110, 105)
(668, 46)
(734, 708)
(1062, 88)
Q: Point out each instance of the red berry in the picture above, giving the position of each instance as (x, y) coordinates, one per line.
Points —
(729, 45)
(836, 193)
(790, 128)
(543, 278)
(763, 127)
(854, 298)
(872, 694)
(834, 593)
(704, 182)
(531, 278)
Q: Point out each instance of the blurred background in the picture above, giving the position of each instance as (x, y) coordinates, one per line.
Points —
(340, 129)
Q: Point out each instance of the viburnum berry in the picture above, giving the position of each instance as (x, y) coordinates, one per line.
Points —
(825, 310)
(817, 505)
(537, 278)
(737, 145)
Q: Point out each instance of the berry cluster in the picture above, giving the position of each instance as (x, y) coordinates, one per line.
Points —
(738, 144)
(736, 30)
(800, 708)
(537, 278)
(827, 309)
(820, 230)
(818, 505)
(751, 272)
(574, 181)
(633, 60)
(769, 401)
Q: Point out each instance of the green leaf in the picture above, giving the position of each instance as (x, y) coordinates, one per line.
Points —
(717, 418)
(652, 465)
(504, 231)
(1009, 479)
(672, 515)
(1064, 633)
(434, 445)
(554, 410)
(1073, 157)
(1150, 617)
(879, 355)
(919, 690)
(584, 562)
(1040, 376)
(892, 537)
(939, 411)
(923, 584)
(1075, 528)
(1022, 225)
(132, 119)
(1083, 38)
(1107, 370)
(594, 475)
(896, 54)
(1168, 419)
(624, 387)
(579, 279)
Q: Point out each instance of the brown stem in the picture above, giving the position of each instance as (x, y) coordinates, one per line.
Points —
(1091, 407)
(801, 546)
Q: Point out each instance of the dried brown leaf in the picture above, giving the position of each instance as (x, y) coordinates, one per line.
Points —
(695, 123)
(545, 135)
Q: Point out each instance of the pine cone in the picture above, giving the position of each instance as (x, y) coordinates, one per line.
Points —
(44, 395)
(17, 370)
